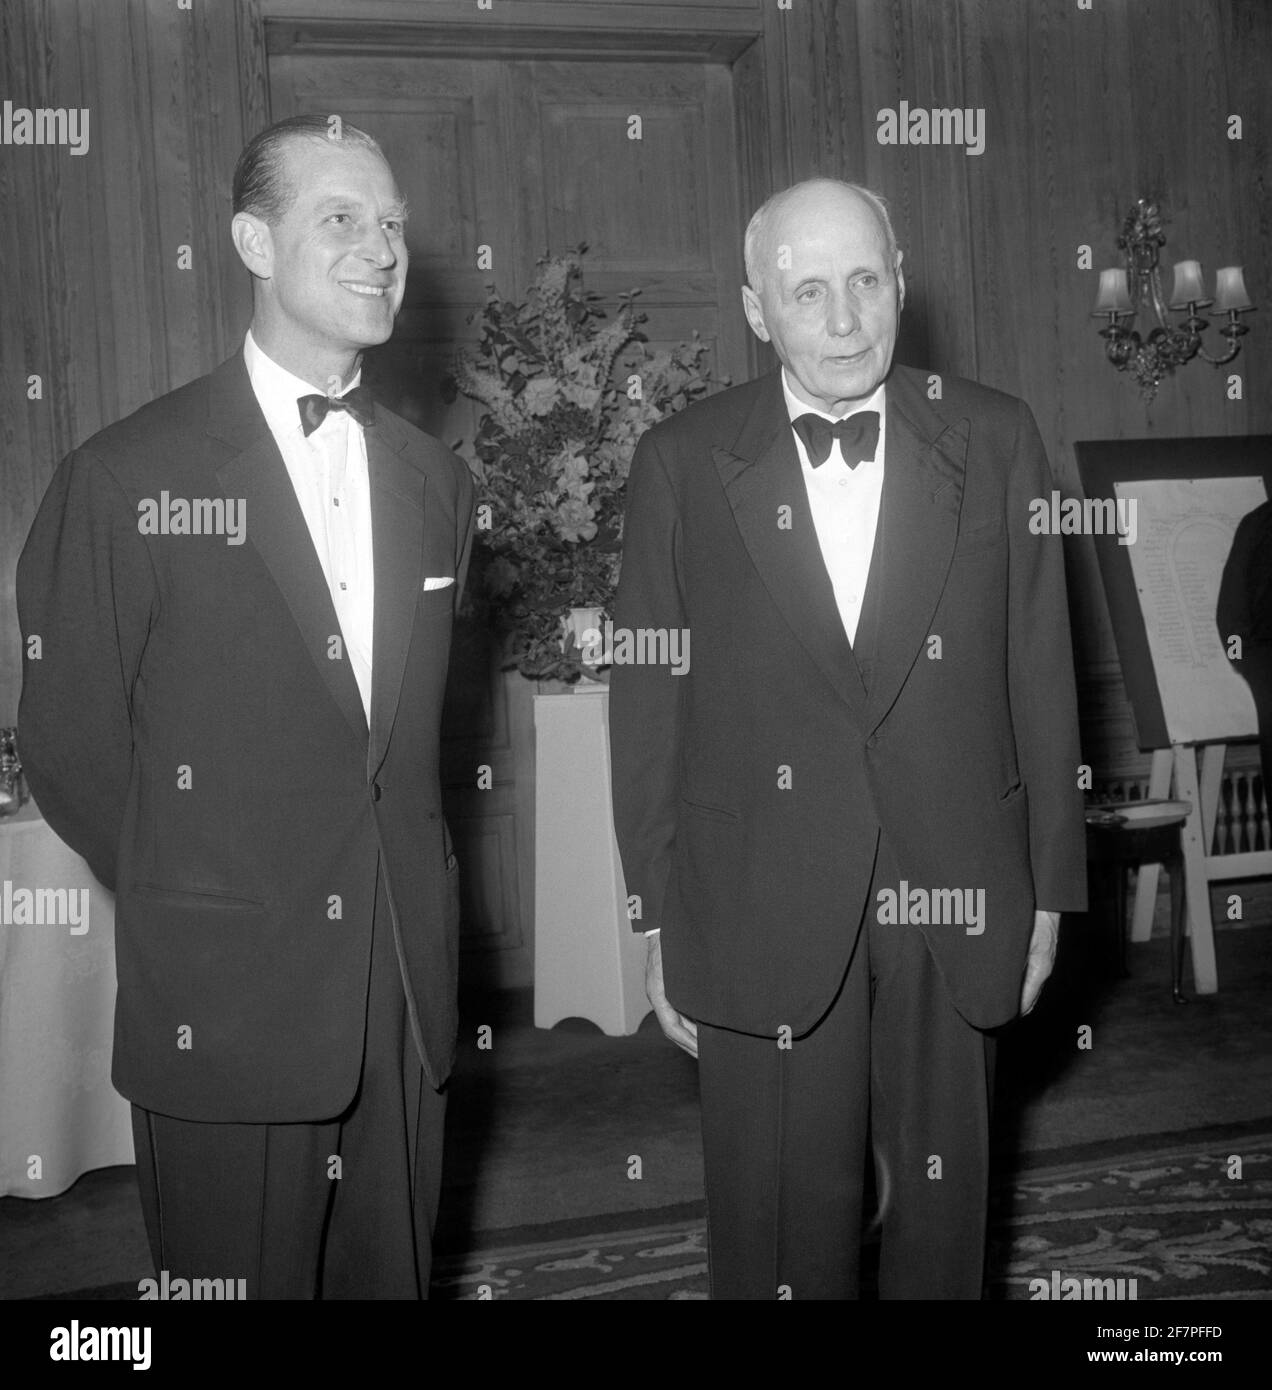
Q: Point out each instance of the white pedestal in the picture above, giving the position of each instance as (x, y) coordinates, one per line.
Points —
(588, 962)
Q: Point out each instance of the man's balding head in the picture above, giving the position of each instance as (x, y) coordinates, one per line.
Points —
(825, 288)
(760, 241)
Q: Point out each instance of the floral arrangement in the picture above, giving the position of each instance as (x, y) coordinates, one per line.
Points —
(566, 394)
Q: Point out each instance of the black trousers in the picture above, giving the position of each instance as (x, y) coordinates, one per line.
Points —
(342, 1208)
(785, 1135)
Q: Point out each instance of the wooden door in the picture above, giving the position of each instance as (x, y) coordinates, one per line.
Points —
(528, 156)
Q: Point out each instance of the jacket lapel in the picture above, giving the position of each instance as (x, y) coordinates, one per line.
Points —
(276, 527)
(760, 475)
(397, 524)
(922, 496)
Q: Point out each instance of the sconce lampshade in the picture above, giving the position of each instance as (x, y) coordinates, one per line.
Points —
(1230, 291)
(1189, 287)
(1114, 296)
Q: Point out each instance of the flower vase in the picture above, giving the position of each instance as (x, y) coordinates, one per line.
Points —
(585, 627)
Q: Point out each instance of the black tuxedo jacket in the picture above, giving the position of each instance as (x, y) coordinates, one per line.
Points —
(192, 728)
(749, 793)
(1244, 608)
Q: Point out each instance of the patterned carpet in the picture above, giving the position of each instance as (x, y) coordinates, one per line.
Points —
(1172, 1212)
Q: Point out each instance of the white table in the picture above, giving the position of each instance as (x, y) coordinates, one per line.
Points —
(59, 1114)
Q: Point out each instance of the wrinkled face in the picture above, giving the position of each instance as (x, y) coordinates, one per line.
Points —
(830, 296)
(336, 261)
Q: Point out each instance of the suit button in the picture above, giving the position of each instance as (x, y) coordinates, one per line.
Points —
(376, 791)
(450, 862)
(872, 740)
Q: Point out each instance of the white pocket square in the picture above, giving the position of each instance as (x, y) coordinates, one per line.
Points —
(440, 583)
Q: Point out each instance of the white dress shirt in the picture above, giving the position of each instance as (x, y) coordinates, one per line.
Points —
(845, 505)
(328, 470)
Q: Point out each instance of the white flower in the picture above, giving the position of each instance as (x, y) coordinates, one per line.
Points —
(574, 521)
(578, 394)
(539, 396)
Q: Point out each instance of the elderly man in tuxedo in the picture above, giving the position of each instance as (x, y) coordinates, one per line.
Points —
(851, 827)
(243, 597)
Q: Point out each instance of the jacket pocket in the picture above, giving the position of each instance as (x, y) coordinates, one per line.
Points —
(434, 603)
(700, 808)
(195, 897)
(984, 536)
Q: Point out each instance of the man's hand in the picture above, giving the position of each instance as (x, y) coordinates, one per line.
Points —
(1042, 956)
(681, 1030)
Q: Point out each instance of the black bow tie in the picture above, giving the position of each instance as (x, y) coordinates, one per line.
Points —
(358, 402)
(858, 436)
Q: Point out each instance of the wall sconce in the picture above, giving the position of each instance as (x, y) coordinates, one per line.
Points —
(1138, 288)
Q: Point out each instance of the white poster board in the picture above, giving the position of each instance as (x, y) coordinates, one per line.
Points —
(1184, 531)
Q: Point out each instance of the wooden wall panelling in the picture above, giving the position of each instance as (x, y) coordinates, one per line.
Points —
(661, 212)
(726, 218)
(751, 82)
(809, 99)
(94, 299)
(223, 116)
(550, 27)
(934, 39)
(882, 77)
(28, 430)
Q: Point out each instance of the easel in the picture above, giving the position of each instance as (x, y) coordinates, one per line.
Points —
(1177, 769)
(1175, 773)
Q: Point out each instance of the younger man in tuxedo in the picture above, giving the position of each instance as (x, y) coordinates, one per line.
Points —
(237, 726)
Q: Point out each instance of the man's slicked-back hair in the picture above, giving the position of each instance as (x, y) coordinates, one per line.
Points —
(757, 228)
(261, 186)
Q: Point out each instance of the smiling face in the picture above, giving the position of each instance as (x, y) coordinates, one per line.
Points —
(830, 296)
(331, 271)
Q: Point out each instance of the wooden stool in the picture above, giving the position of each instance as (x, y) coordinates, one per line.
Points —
(1130, 834)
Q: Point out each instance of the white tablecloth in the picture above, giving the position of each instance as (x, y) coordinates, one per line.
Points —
(57, 1002)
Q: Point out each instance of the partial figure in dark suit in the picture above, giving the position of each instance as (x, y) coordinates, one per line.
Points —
(853, 824)
(244, 595)
(1244, 610)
